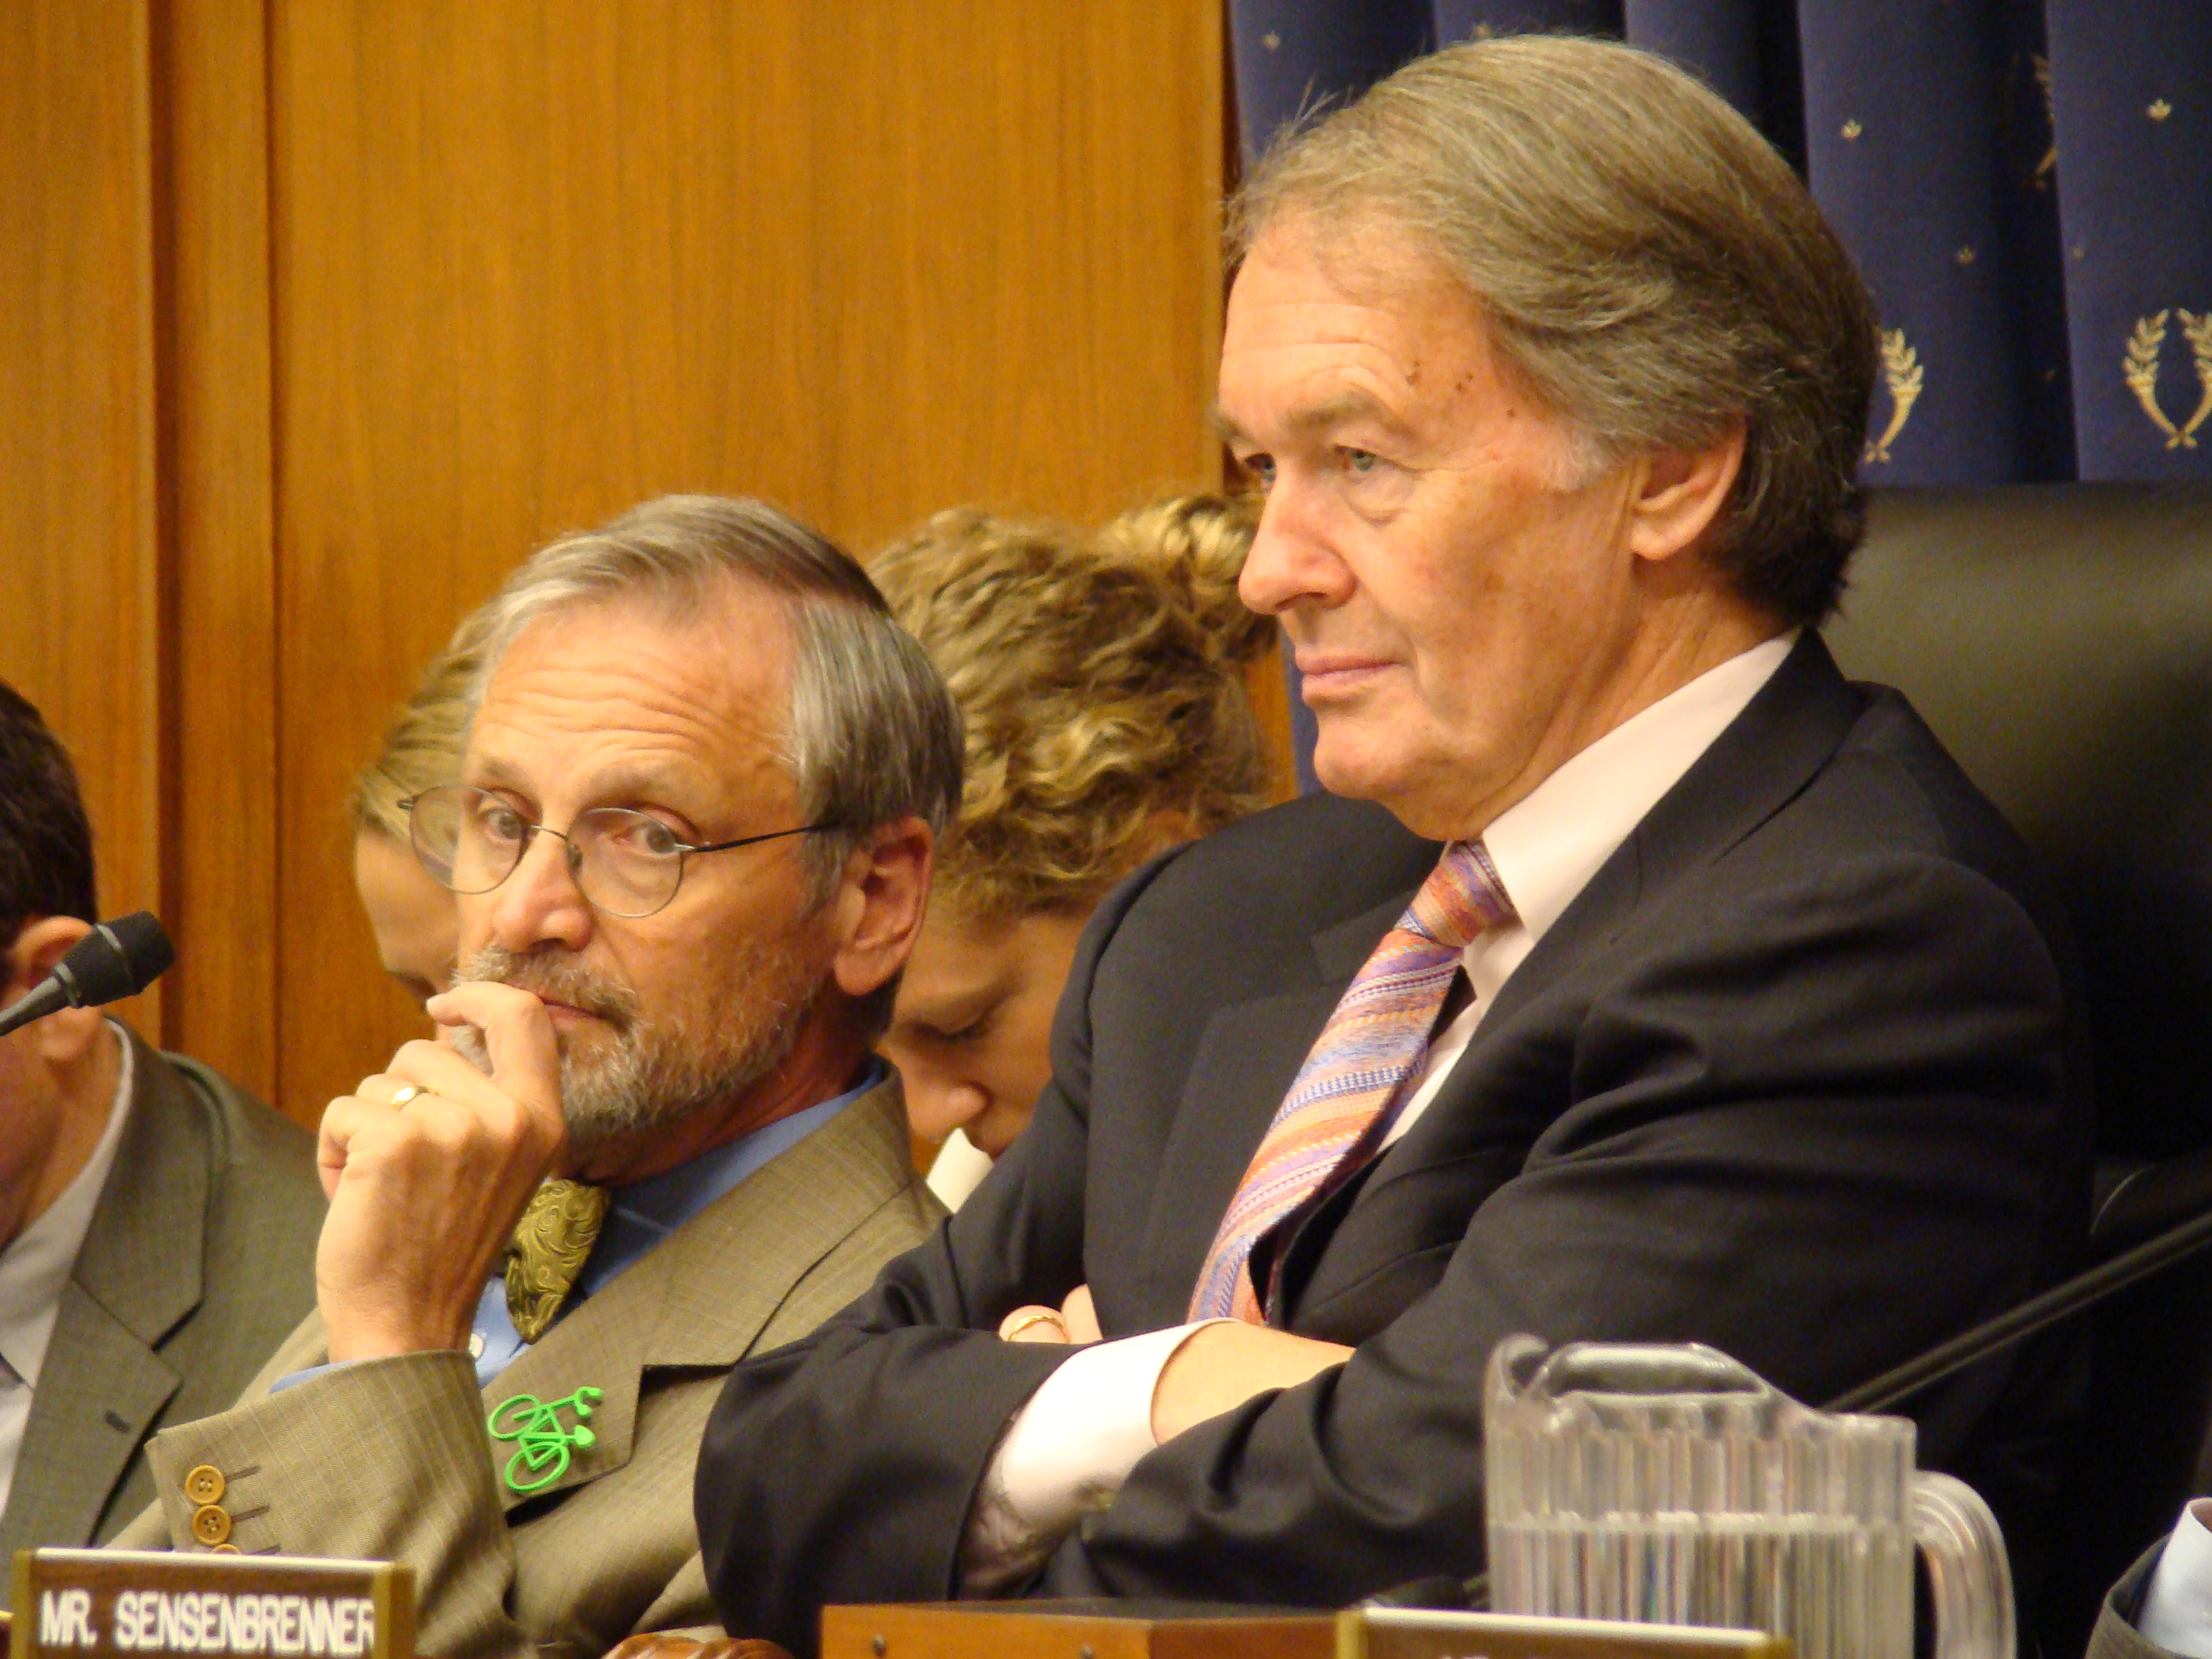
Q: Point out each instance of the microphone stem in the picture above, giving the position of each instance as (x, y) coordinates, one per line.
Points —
(2030, 1316)
(1902, 1382)
(42, 1000)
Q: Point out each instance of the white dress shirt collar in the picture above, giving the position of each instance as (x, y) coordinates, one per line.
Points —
(2177, 1609)
(38, 1264)
(1547, 847)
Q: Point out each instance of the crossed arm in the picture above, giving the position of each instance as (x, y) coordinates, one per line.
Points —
(1216, 1369)
(1875, 1054)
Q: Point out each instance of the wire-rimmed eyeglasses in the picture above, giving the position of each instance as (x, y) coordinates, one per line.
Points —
(625, 863)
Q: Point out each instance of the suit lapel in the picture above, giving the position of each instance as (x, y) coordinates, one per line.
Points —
(137, 1274)
(100, 1393)
(1756, 767)
(1342, 951)
(702, 1296)
(733, 1268)
(1765, 758)
(1238, 1079)
(599, 1345)
(1243, 1068)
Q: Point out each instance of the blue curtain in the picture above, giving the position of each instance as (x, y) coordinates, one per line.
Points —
(2026, 183)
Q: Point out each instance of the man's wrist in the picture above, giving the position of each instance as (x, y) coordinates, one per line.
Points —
(1215, 1370)
(369, 1338)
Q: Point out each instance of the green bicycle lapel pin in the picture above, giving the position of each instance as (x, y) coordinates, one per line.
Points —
(542, 1447)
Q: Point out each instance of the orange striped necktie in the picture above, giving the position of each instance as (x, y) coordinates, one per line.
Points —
(1356, 1080)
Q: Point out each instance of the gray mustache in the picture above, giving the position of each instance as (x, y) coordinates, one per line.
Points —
(557, 978)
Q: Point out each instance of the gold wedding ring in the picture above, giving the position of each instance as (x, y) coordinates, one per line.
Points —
(406, 1094)
(1008, 1333)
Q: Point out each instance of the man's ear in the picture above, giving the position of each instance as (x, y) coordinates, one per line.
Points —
(1678, 494)
(65, 1036)
(879, 905)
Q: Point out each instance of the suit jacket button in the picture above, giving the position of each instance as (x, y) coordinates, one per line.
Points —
(211, 1524)
(204, 1485)
(224, 1549)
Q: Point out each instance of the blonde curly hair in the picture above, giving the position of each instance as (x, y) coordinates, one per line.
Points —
(422, 746)
(1101, 679)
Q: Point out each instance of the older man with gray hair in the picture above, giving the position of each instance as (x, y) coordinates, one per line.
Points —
(1654, 983)
(690, 844)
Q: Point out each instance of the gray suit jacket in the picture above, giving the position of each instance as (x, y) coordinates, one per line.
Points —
(391, 1459)
(2116, 1636)
(200, 1257)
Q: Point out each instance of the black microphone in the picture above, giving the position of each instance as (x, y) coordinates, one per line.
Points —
(116, 959)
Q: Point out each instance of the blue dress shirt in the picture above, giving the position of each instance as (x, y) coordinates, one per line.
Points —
(639, 1216)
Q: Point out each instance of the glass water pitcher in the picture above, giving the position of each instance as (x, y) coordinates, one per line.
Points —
(1670, 1484)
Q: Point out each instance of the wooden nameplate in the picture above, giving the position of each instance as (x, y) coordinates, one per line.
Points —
(69, 1603)
(1076, 1630)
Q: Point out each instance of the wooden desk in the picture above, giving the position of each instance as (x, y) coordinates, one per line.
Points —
(1076, 1630)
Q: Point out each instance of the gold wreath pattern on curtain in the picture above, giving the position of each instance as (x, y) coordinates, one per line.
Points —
(1902, 373)
(2141, 367)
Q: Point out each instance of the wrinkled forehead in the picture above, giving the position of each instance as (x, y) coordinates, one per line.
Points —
(598, 697)
(1317, 333)
(1366, 248)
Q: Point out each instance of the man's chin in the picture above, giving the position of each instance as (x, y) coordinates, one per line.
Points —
(600, 1109)
(1362, 771)
(1348, 763)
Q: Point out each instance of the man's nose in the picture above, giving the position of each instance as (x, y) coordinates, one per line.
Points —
(540, 901)
(1293, 563)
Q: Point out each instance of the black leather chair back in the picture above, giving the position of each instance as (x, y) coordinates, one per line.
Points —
(2059, 640)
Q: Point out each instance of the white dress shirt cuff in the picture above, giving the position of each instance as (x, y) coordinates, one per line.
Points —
(2177, 1609)
(1064, 1456)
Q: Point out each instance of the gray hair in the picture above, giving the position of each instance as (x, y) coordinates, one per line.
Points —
(1648, 265)
(874, 736)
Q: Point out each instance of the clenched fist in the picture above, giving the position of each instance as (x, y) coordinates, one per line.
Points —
(428, 1166)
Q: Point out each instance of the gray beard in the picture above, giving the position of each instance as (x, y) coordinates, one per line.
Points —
(659, 1070)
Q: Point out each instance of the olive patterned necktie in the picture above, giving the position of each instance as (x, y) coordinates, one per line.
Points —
(550, 1245)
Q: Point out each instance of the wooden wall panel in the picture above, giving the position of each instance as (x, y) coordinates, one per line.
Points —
(80, 602)
(537, 260)
(212, 241)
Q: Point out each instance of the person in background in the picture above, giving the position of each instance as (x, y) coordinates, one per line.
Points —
(1101, 685)
(411, 916)
(157, 1226)
(690, 843)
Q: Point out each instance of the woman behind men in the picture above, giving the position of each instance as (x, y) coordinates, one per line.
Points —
(412, 916)
(1102, 684)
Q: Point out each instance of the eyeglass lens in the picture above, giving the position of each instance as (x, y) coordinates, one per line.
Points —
(625, 863)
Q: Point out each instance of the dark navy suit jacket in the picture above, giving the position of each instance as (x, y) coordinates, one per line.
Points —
(1800, 1074)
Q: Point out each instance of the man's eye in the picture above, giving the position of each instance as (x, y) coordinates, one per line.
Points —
(1361, 461)
(633, 834)
(1261, 470)
(505, 824)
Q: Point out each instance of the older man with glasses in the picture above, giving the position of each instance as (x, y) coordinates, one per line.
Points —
(690, 847)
